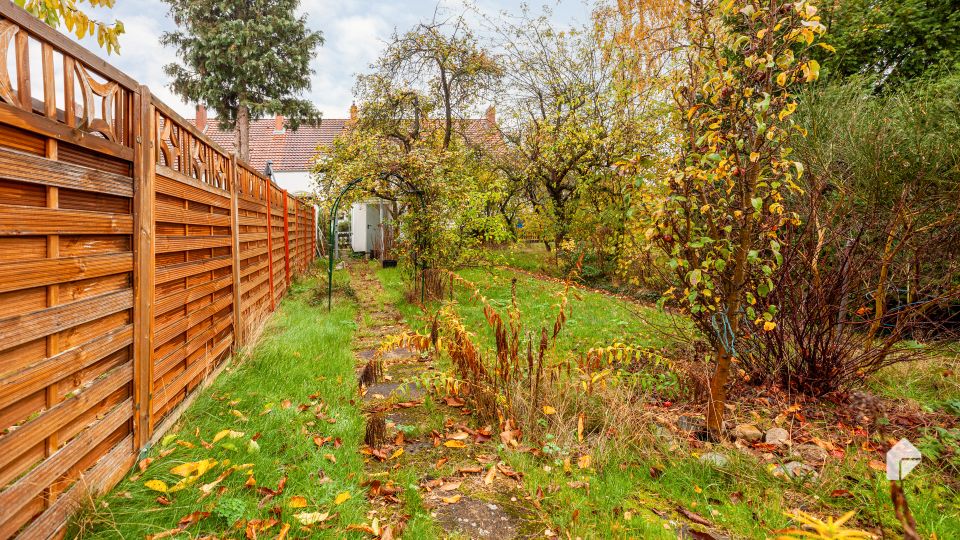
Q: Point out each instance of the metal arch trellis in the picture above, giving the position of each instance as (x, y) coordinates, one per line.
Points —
(390, 178)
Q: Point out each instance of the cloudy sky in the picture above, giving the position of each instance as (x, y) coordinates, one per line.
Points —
(355, 32)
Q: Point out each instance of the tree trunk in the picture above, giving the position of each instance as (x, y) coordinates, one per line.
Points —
(718, 395)
(243, 132)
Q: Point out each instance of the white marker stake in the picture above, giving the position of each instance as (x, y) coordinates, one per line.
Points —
(901, 459)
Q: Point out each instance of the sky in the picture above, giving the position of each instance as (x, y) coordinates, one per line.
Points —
(355, 32)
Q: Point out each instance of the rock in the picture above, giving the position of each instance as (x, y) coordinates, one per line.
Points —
(811, 453)
(795, 469)
(662, 433)
(777, 436)
(691, 423)
(715, 459)
(747, 432)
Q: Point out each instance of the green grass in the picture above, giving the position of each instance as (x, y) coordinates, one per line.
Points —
(625, 500)
(304, 352)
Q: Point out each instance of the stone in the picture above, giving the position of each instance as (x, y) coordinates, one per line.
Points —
(662, 433)
(714, 458)
(795, 469)
(777, 436)
(747, 432)
(691, 423)
(811, 453)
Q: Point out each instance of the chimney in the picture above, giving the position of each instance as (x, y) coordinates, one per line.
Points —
(491, 115)
(201, 121)
(278, 123)
(353, 112)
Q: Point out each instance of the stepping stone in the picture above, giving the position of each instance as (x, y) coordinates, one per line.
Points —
(474, 518)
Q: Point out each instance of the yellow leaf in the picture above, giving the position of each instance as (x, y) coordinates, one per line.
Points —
(157, 485)
(227, 433)
(342, 498)
(566, 466)
(298, 502)
(397, 453)
(330, 457)
(195, 468)
(584, 461)
(310, 518)
(239, 415)
(768, 326)
(754, 156)
(697, 489)
(455, 444)
(453, 499)
(549, 410)
(580, 427)
(782, 78)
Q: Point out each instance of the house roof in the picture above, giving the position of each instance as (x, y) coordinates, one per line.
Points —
(288, 150)
(294, 151)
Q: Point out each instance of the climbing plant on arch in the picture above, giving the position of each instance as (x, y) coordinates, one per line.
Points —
(397, 181)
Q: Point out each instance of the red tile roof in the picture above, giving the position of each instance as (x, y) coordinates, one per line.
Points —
(295, 150)
(288, 150)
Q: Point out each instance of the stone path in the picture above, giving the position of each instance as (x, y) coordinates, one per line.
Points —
(418, 440)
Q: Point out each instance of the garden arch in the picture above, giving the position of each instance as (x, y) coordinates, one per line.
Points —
(390, 178)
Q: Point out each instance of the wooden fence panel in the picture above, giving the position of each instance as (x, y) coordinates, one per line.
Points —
(254, 250)
(135, 256)
(67, 185)
(193, 312)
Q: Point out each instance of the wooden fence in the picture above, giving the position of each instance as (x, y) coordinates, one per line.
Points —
(135, 256)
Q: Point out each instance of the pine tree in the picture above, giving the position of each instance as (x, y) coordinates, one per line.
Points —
(244, 59)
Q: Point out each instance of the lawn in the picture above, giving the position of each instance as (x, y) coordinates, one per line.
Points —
(295, 388)
(650, 488)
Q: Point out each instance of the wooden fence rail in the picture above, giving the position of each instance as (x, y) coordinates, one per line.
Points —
(135, 256)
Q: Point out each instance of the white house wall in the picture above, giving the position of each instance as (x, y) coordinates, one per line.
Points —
(294, 181)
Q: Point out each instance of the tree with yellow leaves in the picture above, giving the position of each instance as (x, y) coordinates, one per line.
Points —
(76, 20)
(723, 210)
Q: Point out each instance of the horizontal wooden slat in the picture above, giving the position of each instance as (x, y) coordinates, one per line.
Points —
(179, 185)
(174, 357)
(252, 205)
(31, 484)
(23, 119)
(253, 237)
(102, 476)
(176, 327)
(31, 433)
(22, 328)
(33, 220)
(163, 395)
(252, 221)
(179, 298)
(23, 274)
(21, 383)
(169, 214)
(167, 244)
(190, 268)
(24, 167)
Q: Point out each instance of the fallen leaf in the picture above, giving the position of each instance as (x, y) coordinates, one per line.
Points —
(452, 401)
(694, 517)
(450, 486)
(440, 462)
(239, 415)
(227, 433)
(144, 463)
(190, 519)
(455, 444)
(157, 485)
(330, 457)
(548, 410)
(283, 532)
(341, 498)
(312, 518)
(298, 502)
(841, 494)
(491, 474)
(877, 465)
(459, 436)
(396, 453)
(580, 427)
(452, 500)
(470, 470)
(163, 500)
(584, 461)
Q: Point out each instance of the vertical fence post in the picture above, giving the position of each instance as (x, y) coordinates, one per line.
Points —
(270, 244)
(144, 180)
(286, 237)
(235, 233)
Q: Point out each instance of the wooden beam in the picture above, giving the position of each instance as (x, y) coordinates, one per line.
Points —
(27, 273)
(144, 274)
(286, 236)
(235, 251)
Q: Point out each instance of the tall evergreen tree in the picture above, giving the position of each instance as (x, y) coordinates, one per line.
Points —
(244, 59)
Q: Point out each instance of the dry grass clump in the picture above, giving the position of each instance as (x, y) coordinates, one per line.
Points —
(535, 392)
